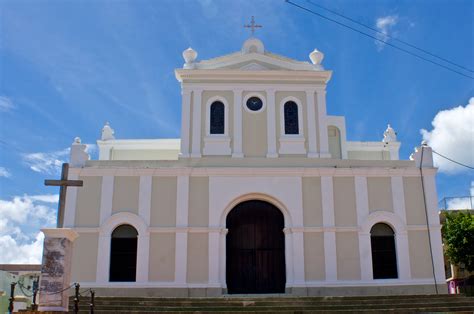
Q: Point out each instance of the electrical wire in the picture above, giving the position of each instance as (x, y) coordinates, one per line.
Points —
(387, 35)
(378, 39)
(452, 160)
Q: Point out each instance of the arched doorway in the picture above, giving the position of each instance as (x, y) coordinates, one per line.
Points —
(384, 257)
(255, 248)
(123, 254)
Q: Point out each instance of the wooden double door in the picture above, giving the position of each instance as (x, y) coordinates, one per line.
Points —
(255, 249)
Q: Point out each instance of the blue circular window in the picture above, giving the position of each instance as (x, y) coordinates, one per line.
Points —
(254, 104)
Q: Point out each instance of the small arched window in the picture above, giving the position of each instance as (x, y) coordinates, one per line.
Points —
(217, 117)
(384, 257)
(123, 254)
(290, 111)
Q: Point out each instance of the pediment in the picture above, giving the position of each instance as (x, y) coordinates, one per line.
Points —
(256, 62)
(254, 67)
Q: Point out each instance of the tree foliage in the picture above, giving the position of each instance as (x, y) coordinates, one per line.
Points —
(458, 234)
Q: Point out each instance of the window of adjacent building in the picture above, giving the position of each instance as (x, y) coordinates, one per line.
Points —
(217, 114)
(290, 111)
(123, 254)
(384, 257)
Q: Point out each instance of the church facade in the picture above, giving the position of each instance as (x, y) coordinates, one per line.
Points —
(261, 194)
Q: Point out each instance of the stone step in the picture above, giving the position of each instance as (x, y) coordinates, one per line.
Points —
(409, 303)
(286, 297)
(458, 309)
(265, 304)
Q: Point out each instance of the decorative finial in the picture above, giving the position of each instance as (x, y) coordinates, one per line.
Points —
(77, 140)
(389, 135)
(252, 25)
(316, 56)
(189, 56)
(107, 132)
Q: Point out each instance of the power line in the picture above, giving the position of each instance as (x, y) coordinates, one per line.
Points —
(388, 36)
(378, 39)
(456, 162)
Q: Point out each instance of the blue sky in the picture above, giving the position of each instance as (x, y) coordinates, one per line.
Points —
(66, 67)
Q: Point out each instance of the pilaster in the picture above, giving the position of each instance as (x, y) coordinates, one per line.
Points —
(362, 207)
(144, 198)
(237, 136)
(311, 112)
(182, 203)
(185, 121)
(271, 124)
(106, 197)
(196, 138)
(323, 129)
(71, 203)
(330, 257)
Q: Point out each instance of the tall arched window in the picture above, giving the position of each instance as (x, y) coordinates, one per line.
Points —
(123, 254)
(217, 114)
(290, 110)
(384, 257)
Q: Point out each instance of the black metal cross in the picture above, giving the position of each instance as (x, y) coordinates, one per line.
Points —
(63, 184)
(252, 25)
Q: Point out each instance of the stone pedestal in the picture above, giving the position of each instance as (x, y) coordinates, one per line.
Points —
(56, 269)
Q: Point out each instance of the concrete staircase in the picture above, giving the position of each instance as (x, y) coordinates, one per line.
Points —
(281, 304)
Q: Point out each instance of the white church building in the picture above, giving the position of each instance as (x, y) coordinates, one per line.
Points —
(262, 193)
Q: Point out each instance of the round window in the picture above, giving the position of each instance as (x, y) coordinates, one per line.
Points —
(254, 103)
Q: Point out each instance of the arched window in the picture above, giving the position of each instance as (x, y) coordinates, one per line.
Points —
(123, 254)
(384, 257)
(290, 110)
(217, 114)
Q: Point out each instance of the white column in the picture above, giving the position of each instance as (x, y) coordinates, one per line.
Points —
(298, 262)
(398, 197)
(237, 140)
(181, 255)
(271, 124)
(143, 257)
(214, 257)
(106, 197)
(434, 225)
(71, 203)
(330, 257)
(222, 255)
(196, 136)
(144, 198)
(323, 128)
(362, 207)
(312, 141)
(289, 257)
(103, 258)
(185, 121)
(403, 255)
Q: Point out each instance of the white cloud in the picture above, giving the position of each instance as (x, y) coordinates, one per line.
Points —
(20, 221)
(453, 136)
(385, 25)
(6, 104)
(5, 173)
(47, 163)
(462, 202)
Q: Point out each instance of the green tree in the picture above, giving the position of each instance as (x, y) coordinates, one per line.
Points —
(458, 234)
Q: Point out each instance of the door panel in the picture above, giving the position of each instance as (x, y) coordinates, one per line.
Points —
(255, 249)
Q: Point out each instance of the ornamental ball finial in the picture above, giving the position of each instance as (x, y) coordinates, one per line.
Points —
(316, 56)
(189, 56)
(389, 135)
(77, 140)
(107, 132)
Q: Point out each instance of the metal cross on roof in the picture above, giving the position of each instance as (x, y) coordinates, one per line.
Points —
(252, 25)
